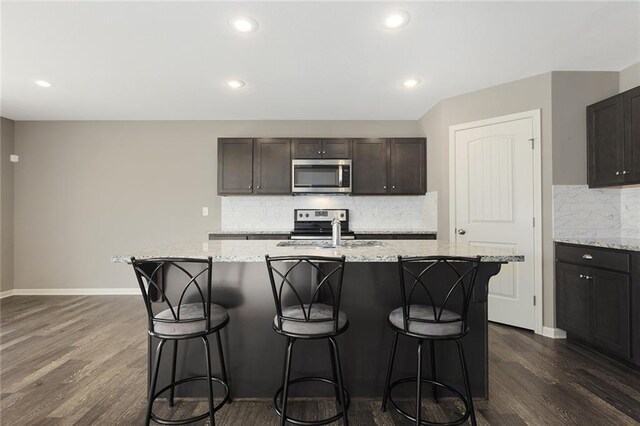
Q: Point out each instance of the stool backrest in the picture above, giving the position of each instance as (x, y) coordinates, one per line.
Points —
(152, 275)
(326, 290)
(442, 282)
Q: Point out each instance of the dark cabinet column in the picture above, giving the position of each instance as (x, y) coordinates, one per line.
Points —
(336, 149)
(272, 166)
(631, 100)
(369, 174)
(235, 166)
(407, 166)
(605, 138)
(572, 299)
(307, 148)
(610, 307)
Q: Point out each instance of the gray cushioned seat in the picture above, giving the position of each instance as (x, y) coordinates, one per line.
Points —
(318, 311)
(188, 311)
(425, 312)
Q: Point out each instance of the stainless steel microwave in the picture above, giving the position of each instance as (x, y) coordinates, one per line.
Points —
(321, 177)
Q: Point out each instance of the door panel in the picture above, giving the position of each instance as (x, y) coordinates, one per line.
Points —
(235, 166)
(336, 149)
(605, 137)
(610, 307)
(369, 174)
(407, 166)
(572, 299)
(272, 166)
(495, 208)
(307, 148)
(632, 135)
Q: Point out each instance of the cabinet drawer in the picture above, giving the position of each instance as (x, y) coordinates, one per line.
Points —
(595, 257)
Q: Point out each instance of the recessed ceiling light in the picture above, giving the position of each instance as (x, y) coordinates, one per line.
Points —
(396, 19)
(235, 84)
(243, 24)
(411, 82)
(43, 83)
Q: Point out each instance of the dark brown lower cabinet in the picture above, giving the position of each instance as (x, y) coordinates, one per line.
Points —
(596, 302)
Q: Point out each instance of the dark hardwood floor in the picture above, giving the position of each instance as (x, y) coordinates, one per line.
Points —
(80, 360)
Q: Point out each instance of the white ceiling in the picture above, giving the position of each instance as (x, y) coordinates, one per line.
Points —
(308, 60)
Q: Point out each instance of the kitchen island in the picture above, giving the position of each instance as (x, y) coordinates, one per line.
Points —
(255, 353)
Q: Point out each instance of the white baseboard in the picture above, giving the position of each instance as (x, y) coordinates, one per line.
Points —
(7, 293)
(554, 333)
(70, 292)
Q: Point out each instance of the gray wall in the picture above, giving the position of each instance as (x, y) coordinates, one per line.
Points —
(517, 96)
(629, 77)
(571, 92)
(88, 190)
(7, 148)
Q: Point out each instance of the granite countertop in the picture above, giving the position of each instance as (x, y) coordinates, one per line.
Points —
(242, 232)
(255, 250)
(632, 244)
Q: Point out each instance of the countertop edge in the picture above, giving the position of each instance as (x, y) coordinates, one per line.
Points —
(631, 245)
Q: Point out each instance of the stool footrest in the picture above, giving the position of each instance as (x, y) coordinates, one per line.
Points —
(295, 421)
(203, 416)
(465, 416)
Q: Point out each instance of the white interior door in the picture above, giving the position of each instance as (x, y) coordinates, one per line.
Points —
(494, 206)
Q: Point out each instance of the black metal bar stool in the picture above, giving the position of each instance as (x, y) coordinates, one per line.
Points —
(311, 312)
(196, 318)
(454, 277)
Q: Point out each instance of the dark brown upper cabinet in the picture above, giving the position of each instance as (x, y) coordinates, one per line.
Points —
(370, 164)
(254, 166)
(235, 166)
(308, 148)
(613, 140)
(389, 166)
(407, 166)
(272, 166)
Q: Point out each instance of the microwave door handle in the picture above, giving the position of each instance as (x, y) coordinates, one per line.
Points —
(339, 176)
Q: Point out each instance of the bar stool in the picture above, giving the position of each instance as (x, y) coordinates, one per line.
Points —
(196, 319)
(454, 277)
(313, 312)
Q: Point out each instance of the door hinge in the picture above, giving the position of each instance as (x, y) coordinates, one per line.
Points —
(533, 141)
(534, 300)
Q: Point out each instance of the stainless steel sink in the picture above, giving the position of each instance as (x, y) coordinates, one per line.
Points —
(327, 244)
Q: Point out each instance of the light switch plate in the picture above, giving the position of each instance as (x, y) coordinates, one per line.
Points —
(14, 158)
(205, 211)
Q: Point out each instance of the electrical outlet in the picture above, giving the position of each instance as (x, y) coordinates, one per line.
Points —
(205, 211)
(14, 158)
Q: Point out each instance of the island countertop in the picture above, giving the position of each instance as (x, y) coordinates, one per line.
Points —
(255, 250)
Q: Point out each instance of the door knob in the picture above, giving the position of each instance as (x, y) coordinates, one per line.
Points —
(461, 232)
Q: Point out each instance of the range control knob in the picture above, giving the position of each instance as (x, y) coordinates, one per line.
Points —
(299, 214)
(341, 214)
(306, 215)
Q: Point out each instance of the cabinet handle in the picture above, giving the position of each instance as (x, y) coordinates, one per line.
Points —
(250, 186)
(384, 187)
(624, 172)
(393, 187)
(324, 152)
(319, 152)
(586, 277)
(618, 173)
(258, 186)
(587, 256)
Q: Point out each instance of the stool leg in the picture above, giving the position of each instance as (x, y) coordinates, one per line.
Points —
(222, 364)
(154, 381)
(467, 387)
(287, 371)
(345, 417)
(173, 372)
(333, 370)
(387, 383)
(434, 388)
(210, 395)
(419, 385)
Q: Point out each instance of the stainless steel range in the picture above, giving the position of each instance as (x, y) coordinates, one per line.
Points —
(316, 224)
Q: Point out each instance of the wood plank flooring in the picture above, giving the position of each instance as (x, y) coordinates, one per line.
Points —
(80, 360)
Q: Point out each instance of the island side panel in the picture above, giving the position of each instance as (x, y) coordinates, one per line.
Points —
(254, 352)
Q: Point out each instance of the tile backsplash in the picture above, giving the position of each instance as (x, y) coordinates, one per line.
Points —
(596, 213)
(366, 213)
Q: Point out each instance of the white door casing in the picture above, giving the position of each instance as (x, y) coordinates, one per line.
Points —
(495, 201)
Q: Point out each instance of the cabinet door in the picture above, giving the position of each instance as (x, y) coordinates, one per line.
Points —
(407, 166)
(369, 174)
(631, 101)
(272, 166)
(235, 166)
(610, 298)
(336, 149)
(307, 148)
(605, 142)
(572, 299)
